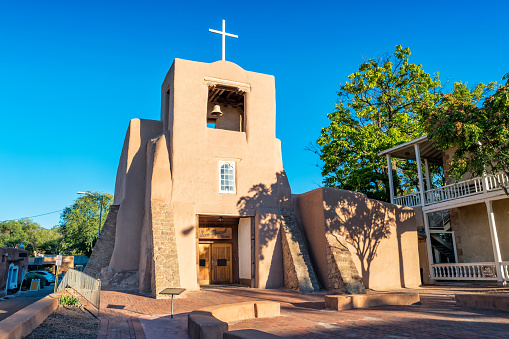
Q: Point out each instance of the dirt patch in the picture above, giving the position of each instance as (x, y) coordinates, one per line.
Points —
(67, 322)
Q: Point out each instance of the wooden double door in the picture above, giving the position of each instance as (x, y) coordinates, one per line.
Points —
(215, 263)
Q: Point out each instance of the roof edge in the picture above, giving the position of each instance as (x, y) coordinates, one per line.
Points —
(404, 145)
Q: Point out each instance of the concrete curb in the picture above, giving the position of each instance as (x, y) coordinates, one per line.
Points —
(485, 301)
(212, 322)
(347, 302)
(23, 322)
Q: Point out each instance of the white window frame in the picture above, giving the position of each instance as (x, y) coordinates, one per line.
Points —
(232, 164)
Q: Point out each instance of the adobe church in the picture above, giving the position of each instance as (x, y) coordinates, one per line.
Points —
(202, 198)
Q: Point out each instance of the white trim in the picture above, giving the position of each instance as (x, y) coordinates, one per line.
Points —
(428, 248)
(454, 244)
(494, 239)
(404, 145)
(391, 181)
(234, 186)
(426, 173)
(465, 201)
(419, 174)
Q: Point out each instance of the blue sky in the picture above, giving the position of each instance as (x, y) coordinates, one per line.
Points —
(72, 74)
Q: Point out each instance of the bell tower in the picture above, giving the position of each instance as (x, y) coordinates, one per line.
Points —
(201, 190)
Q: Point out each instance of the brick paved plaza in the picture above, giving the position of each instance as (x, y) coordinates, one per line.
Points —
(131, 315)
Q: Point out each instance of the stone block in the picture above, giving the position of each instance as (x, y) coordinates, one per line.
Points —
(338, 302)
(384, 299)
(267, 309)
(212, 321)
(484, 301)
(248, 334)
(232, 312)
(203, 325)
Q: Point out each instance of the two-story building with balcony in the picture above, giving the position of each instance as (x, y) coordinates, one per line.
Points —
(464, 225)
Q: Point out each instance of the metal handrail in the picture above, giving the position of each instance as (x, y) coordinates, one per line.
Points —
(85, 285)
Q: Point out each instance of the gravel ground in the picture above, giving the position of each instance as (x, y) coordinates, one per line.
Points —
(67, 322)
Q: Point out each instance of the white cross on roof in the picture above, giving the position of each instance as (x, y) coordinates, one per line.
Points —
(224, 34)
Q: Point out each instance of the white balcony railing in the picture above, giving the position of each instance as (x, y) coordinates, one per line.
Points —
(493, 181)
(468, 271)
(409, 200)
(455, 191)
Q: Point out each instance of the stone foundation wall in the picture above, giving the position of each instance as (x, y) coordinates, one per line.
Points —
(165, 257)
(298, 271)
(343, 276)
(103, 249)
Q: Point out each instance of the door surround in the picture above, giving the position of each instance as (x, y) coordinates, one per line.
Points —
(214, 230)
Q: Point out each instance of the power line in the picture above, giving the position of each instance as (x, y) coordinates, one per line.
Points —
(35, 216)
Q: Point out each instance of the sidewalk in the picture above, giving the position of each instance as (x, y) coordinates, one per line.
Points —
(131, 315)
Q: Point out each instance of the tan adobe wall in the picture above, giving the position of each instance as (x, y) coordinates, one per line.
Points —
(381, 237)
(174, 163)
(130, 193)
(472, 231)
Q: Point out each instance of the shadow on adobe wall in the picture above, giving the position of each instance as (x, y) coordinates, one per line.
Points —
(267, 201)
(361, 222)
(260, 196)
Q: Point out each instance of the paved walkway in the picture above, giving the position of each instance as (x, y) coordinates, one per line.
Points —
(13, 303)
(132, 315)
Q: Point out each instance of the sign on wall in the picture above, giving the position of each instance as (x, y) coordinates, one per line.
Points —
(488, 271)
(215, 233)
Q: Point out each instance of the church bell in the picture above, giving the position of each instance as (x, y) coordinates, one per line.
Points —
(216, 112)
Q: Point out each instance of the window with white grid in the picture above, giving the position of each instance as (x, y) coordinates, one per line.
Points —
(226, 177)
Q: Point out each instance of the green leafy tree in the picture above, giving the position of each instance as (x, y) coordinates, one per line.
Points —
(12, 232)
(378, 108)
(36, 240)
(50, 240)
(477, 125)
(79, 222)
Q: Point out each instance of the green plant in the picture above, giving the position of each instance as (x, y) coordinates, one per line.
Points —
(69, 300)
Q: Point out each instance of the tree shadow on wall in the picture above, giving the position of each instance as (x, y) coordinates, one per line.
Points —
(362, 222)
(266, 199)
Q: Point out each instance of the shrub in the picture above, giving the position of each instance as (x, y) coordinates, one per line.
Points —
(69, 300)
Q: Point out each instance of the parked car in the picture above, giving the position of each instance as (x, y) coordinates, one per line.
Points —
(50, 277)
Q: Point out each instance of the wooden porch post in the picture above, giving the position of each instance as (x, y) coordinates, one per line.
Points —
(391, 182)
(494, 240)
(419, 173)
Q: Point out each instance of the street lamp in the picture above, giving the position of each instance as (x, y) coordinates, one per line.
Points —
(100, 210)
